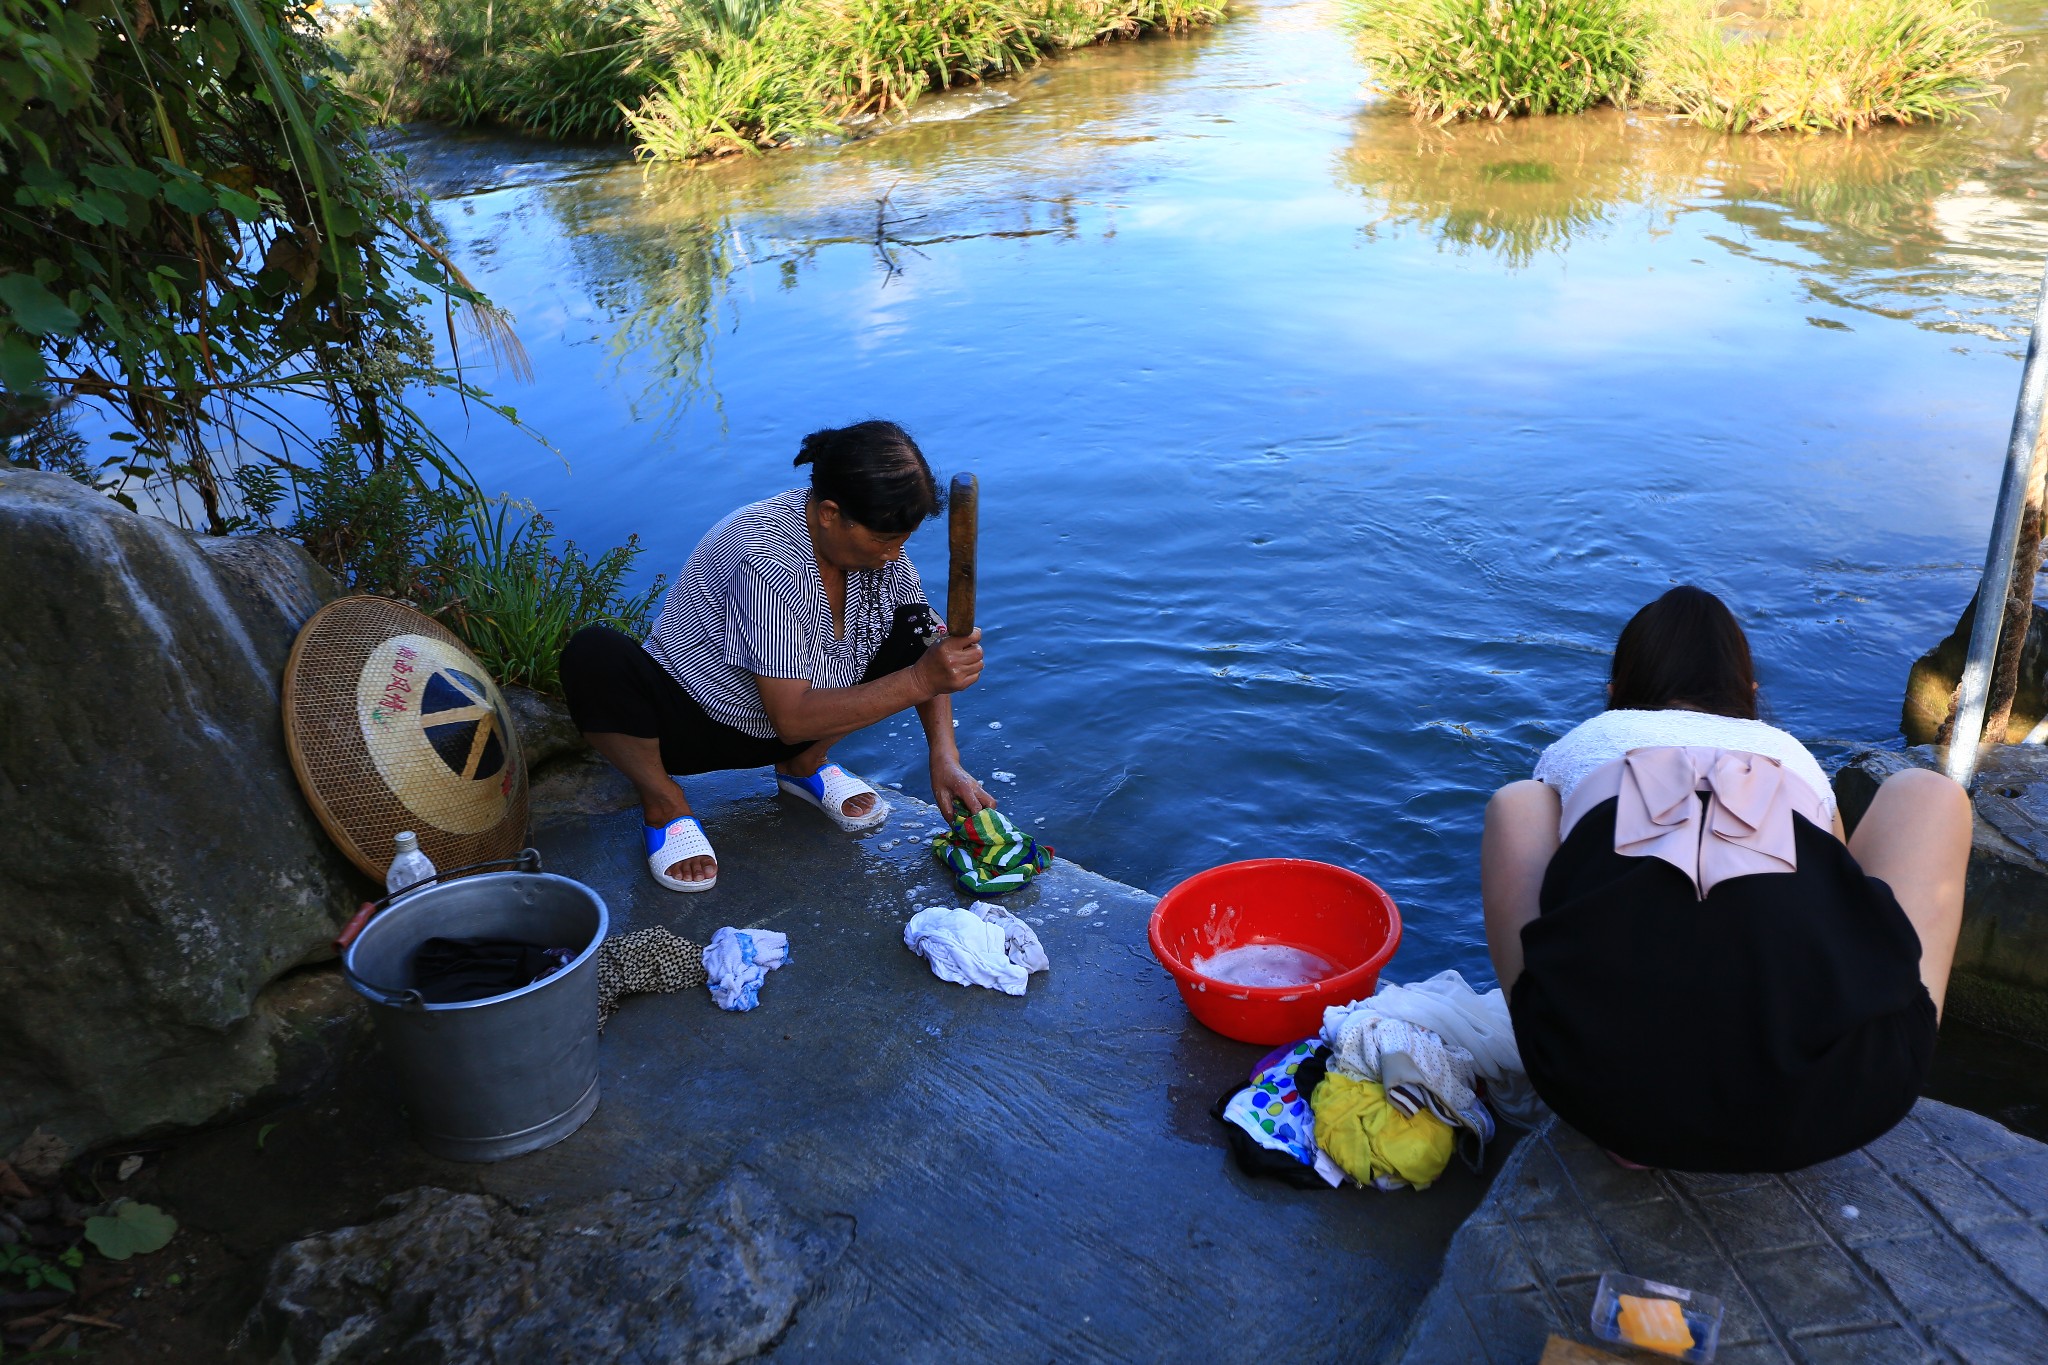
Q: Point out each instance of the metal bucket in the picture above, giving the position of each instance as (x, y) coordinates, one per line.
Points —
(488, 1079)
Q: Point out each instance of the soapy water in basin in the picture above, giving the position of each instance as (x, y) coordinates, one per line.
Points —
(1265, 964)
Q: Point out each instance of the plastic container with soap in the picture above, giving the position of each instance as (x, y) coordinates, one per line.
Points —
(1681, 1323)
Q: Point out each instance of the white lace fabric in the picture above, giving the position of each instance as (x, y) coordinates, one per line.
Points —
(1612, 734)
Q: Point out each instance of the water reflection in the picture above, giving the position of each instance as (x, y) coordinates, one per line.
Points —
(1871, 222)
(1934, 225)
(666, 247)
(1516, 191)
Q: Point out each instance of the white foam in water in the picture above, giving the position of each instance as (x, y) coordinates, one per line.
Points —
(1264, 964)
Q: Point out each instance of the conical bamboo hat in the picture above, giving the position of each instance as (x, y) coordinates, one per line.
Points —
(392, 725)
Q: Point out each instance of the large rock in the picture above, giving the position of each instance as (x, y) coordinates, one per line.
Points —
(160, 875)
(1931, 682)
(467, 1279)
(567, 778)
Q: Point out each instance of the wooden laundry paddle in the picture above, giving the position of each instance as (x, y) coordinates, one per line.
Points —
(963, 532)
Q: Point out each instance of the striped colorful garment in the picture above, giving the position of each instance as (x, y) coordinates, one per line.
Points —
(988, 855)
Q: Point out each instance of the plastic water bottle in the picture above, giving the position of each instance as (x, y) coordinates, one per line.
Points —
(410, 865)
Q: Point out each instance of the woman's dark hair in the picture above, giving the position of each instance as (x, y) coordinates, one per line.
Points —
(876, 474)
(1684, 647)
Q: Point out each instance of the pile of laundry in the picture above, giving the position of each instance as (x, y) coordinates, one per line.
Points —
(1387, 1093)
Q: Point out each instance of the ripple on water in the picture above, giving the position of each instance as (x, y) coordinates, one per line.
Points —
(1323, 452)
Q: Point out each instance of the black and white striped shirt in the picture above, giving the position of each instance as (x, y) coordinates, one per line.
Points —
(750, 604)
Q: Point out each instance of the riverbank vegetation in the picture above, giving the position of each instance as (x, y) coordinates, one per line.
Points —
(693, 78)
(1450, 59)
(212, 295)
(1843, 208)
(1734, 65)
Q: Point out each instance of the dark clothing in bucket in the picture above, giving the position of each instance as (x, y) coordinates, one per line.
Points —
(490, 1078)
(449, 971)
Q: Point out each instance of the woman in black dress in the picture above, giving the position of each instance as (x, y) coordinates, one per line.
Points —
(1703, 973)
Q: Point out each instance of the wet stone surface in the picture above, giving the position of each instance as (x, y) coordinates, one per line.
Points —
(467, 1279)
(1928, 1245)
(992, 1178)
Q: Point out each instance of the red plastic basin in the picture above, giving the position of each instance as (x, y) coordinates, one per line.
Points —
(1329, 911)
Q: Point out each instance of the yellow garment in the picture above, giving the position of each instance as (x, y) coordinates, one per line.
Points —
(1369, 1137)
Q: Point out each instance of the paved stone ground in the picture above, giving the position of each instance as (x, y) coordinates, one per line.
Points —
(1944, 1257)
(1017, 1179)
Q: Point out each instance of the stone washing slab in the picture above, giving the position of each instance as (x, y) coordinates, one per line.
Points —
(1930, 1244)
(1032, 1178)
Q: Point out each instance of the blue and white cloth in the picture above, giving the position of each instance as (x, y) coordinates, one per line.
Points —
(737, 961)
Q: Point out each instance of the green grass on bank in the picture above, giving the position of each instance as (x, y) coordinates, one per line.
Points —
(693, 78)
(1449, 59)
(556, 67)
(1739, 65)
(1814, 65)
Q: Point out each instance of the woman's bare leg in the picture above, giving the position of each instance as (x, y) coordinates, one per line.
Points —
(661, 796)
(1514, 853)
(1915, 838)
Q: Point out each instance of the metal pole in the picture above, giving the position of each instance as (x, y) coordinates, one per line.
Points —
(1992, 592)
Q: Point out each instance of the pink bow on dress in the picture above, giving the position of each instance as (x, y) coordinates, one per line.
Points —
(1744, 826)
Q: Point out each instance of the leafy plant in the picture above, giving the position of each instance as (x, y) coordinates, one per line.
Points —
(696, 78)
(812, 64)
(557, 67)
(193, 228)
(389, 529)
(1736, 65)
(37, 1272)
(132, 1229)
(515, 599)
(491, 571)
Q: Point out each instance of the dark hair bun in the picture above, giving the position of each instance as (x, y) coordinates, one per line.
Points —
(874, 472)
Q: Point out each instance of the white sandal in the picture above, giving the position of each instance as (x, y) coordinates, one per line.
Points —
(678, 841)
(829, 789)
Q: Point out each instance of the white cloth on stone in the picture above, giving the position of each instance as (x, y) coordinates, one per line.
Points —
(1458, 1015)
(737, 961)
(984, 945)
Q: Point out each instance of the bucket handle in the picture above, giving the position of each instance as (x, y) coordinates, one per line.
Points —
(408, 998)
(527, 861)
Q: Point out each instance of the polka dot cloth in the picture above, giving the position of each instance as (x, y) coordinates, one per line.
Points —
(1272, 1110)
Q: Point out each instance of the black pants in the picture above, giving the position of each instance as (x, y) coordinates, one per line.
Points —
(614, 686)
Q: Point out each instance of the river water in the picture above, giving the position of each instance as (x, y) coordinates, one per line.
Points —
(1322, 453)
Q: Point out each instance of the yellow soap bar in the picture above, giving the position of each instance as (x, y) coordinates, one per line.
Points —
(1658, 1324)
